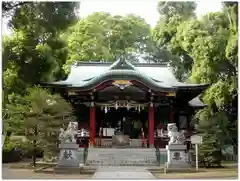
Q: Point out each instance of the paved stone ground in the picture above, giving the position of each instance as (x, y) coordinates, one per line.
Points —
(123, 173)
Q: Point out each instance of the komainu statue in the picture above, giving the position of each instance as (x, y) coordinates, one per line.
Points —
(175, 136)
(68, 136)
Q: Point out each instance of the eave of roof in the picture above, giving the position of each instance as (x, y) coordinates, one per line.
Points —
(196, 103)
(108, 64)
(160, 79)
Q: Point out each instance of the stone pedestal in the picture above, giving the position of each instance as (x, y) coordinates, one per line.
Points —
(71, 159)
(69, 155)
(177, 156)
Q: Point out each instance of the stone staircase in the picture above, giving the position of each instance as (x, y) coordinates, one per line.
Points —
(121, 157)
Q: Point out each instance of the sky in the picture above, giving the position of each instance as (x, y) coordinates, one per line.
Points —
(147, 9)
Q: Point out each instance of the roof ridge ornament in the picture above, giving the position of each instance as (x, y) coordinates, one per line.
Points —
(122, 63)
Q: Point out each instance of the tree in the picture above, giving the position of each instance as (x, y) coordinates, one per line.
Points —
(231, 8)
(40, 115)
(102, 37)
(203, 46)
(34, 53)
(8, 8)
(172, 14)
(214, 138)
(170, 9)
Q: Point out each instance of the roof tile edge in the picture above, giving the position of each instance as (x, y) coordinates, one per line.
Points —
(97, 63)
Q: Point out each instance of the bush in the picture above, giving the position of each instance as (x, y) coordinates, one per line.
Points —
(12, 152)
(211, 126)
(15, 150)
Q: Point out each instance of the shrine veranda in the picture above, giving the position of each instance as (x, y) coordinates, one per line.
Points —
(124, 97)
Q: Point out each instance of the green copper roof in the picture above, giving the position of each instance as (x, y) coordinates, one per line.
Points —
(86, 76)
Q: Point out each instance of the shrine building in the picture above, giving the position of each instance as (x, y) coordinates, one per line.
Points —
(127, 97)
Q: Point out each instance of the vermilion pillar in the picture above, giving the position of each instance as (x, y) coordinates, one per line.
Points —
(92, 124)
(171, 115)
(151, 125)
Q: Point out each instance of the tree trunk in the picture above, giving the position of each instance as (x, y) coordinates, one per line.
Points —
(34, 147)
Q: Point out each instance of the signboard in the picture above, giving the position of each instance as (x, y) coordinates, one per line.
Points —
(122, 83)
(171, 94)
(196, 139)
(71, 93)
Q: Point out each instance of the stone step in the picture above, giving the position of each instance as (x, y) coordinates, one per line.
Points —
(123, 153)
(125, 149)
(121, 161)
(121, 157)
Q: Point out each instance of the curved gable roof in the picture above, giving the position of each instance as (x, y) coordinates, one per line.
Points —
(88, 75)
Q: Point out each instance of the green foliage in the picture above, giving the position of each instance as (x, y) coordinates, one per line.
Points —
(102, 37)
(212, 126)
(173, 14)
(170, 9)
(232, 48)
(34, 53)
(205, 51)
(40, 115)
(219, 95)
(42, 16)
(10, 145)
(46, 113)
(11, 151)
